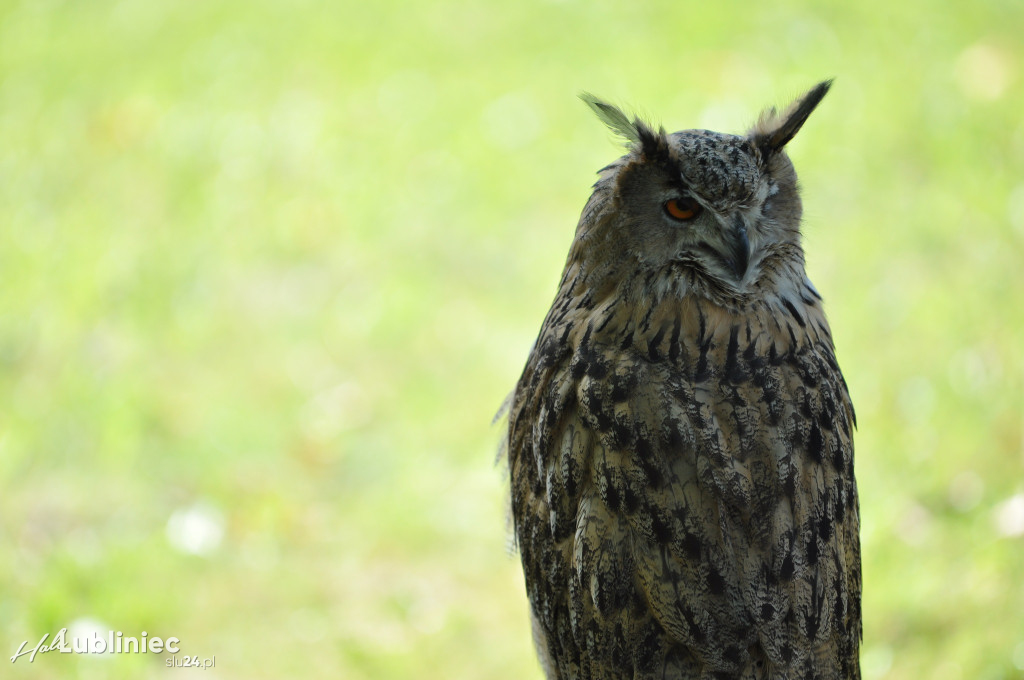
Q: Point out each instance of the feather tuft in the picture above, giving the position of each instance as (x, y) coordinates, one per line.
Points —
(613, 117)
(638, 134)
(774, 130)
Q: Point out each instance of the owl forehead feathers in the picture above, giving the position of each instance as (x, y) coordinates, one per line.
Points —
(725, 167)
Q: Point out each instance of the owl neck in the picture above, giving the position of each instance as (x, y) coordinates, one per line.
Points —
(628, 306)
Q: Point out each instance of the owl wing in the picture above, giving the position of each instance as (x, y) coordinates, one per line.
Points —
(689, 508)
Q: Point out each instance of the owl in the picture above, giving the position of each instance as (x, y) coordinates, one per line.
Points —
(680, 441)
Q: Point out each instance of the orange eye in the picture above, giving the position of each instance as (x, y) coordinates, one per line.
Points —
(683, 209)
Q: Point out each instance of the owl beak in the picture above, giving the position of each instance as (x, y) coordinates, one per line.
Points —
(739, 251)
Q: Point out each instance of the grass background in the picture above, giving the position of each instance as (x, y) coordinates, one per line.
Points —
(268, 270)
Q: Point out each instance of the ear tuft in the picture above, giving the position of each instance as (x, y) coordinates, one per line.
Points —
(613, 117)
(637, 133)
(774, 130)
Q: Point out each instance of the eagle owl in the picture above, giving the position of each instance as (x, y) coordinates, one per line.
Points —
(680, 441)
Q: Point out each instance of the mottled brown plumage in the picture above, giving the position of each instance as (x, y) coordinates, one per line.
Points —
(680, 441)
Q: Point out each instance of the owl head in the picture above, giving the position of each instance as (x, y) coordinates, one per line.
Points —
(696, 211)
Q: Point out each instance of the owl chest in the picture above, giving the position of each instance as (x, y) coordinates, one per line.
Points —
(713, 418)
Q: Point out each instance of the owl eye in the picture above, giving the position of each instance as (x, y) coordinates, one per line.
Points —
(683, 209)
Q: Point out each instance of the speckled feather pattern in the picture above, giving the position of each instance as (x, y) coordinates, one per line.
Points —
(680, 445)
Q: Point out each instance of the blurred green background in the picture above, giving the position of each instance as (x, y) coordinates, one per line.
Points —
(269, 269)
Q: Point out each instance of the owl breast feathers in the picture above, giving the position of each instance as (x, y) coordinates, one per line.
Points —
(680, 441)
